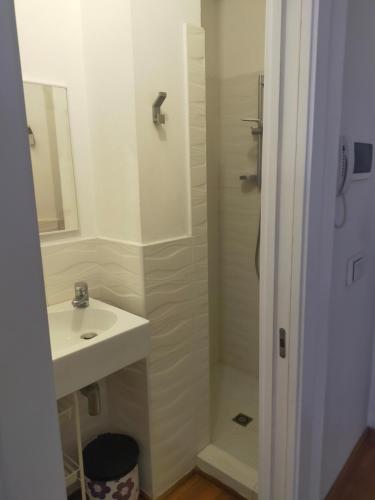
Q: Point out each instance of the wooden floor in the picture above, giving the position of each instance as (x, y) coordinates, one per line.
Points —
(357, 479)
(198, 487)
(355, 482)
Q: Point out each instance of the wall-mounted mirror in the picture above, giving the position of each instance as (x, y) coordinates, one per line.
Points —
(51, 157)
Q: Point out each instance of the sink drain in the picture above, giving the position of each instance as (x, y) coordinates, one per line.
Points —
(88, 336)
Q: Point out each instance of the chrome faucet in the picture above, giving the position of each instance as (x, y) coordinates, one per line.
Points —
(81, 294)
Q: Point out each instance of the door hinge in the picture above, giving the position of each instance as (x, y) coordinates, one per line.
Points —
(282, 343)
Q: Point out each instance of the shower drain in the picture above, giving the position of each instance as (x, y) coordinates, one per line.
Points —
(242, 419)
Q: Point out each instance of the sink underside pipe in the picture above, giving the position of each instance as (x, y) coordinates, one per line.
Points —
(92, 393)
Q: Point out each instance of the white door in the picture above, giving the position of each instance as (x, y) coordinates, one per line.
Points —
(30, 453)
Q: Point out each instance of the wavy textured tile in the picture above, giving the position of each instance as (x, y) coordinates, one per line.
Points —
(66, 263)
(168, 261)
(165, 298)
(121, 275)
(114, 272)
(128, 394)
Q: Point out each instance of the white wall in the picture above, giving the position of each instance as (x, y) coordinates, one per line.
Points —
(159, 62)
(352, 308)
(87, 47)
(132, 178)
(50, 39)
(109, 66)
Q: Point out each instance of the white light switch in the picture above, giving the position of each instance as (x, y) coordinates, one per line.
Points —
(356, 269)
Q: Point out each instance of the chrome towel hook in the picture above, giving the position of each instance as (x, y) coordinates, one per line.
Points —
(157, 116)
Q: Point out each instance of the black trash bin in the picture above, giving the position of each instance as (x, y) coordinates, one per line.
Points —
(111, 468)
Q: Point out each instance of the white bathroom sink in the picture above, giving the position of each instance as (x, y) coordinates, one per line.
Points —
(93, 342)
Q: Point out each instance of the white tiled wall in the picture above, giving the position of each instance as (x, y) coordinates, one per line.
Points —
(167, 283)
(112, 268)
(239, 219)
(176, 304)
(128, 404)
(235, 57)
(121, 274)
(114, 272)
(66, 263)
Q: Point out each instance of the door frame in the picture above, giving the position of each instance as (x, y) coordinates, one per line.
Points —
(270, 155)
(305, 46)
(31, 463)
(287, 59)
(328, 42)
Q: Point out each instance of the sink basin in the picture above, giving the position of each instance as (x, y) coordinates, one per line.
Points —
(90, 343)
(69, 327)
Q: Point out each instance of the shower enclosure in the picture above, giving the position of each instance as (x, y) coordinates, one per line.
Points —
(234, 72)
